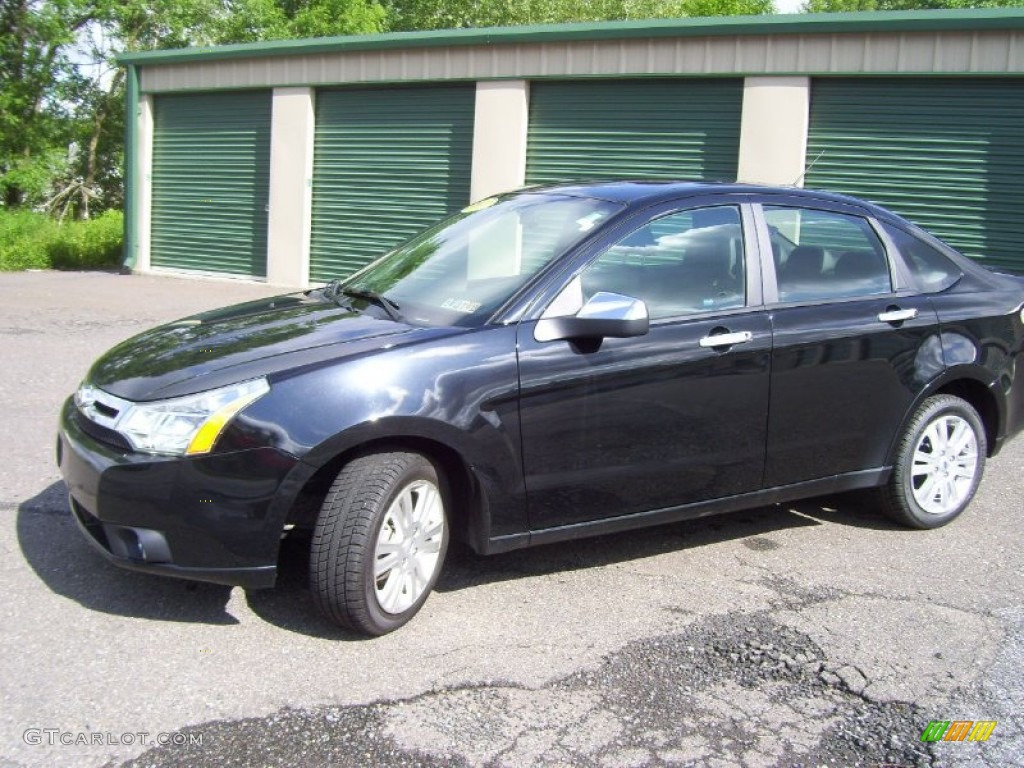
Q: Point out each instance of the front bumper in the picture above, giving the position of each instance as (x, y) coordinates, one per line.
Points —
(215, 518)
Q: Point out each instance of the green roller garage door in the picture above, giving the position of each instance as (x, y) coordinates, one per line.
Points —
(387, 164)
(211, 170)
(678, 129)
(947, 153)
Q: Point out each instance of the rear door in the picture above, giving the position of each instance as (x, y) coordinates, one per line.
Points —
(851, 347)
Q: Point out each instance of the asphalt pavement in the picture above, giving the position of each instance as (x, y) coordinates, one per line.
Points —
(814, 634)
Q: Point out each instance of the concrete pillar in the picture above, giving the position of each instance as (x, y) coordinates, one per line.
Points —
(773, 131)
(291, 187)
(143, 181)
(499, 137)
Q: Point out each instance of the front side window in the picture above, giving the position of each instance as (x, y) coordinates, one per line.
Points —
(465, 268)
(822, 255)
(685, 262)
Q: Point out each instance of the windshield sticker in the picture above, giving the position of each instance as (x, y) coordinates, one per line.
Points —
(487, 202)
(461, 305)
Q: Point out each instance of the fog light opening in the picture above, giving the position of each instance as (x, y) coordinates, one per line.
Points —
(139, 544)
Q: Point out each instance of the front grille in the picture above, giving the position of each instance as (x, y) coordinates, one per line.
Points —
(108, 411)
(97, 412)
(96, 431)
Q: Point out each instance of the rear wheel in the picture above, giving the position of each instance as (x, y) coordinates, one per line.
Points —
(379, 542)
(939, 464)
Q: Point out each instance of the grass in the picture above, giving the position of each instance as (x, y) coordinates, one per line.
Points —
(35, 241)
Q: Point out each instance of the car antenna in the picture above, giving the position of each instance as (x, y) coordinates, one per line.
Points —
(800, 178)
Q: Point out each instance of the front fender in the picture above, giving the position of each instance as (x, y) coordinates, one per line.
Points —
(460, 393)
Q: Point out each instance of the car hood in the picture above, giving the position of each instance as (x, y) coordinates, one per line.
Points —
(240, 342)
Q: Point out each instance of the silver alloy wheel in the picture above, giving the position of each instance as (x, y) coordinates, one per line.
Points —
(945, 463)
(408, 546)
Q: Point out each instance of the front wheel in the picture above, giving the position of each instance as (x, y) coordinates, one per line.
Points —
(939, 463)
(379, 542)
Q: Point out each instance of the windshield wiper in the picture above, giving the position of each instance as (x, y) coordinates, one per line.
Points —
(379, 299)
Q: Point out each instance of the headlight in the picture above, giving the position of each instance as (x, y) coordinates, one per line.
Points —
(186, 425)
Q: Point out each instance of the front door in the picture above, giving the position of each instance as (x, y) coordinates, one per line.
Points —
(622, 426)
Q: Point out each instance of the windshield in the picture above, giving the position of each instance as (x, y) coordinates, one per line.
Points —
(466, 267)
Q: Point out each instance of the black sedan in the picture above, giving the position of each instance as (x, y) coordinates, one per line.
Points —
(545, 365)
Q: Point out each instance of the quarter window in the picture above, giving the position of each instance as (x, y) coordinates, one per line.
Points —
(933, 270)
(686, 262)
(825, 255)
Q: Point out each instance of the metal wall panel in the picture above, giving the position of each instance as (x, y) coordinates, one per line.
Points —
(939, 52)
(211, 170)
(387, 163)
(947, 154)
(676, 129)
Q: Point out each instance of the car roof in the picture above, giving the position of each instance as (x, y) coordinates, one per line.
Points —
(640, 193)
(650, 191)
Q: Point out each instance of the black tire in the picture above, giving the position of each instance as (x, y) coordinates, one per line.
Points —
(901, 497)
(344, 550)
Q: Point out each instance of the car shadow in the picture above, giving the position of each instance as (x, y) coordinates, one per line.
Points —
(855, 509)
(754, 526)
(290, 606)
(67, 564)
(63, 560)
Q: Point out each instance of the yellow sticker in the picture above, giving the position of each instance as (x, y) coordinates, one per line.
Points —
(487, 202)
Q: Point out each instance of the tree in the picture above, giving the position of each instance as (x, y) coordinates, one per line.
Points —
(62, 94)
(816, 6)
(36, 79)
(125, 25)
(323, 18)
(405, 15)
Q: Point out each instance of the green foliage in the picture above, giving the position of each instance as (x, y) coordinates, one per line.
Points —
(36, 75)
(24, 237)
(323, 18)
(31, 240)
(404, 15)
(253, 20)
(32, 177)
(147, 24)
(825, 6)
(53, 106)
(92, 244)
(728, 7)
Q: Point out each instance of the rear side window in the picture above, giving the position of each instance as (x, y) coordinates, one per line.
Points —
(822, 255)
(933, 270)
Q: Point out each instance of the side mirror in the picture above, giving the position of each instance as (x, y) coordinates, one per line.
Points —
(605, 315)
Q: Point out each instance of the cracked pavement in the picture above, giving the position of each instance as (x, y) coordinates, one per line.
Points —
(814, 634)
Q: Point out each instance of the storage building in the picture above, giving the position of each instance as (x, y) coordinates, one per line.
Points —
(298, 161)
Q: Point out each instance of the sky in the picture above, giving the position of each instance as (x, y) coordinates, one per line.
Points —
(788, 6)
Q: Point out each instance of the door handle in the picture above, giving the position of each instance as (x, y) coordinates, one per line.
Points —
(897, 315)
(726, 339)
